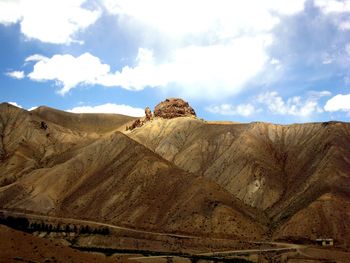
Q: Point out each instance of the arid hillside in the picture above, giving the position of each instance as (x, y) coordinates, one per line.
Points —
(45, 137)
(179, 174)
(111, 178)
(279, 169)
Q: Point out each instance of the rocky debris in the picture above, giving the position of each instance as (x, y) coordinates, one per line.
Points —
(135, 124)
(142, 121)
(173, 108)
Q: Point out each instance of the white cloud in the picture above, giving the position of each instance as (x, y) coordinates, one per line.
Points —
(110, 108)
(20, 106)
(36, 57)
(338, 103)
(197, 71)
(209, 48)
(33, 108)
(295, 106)
(333, 6)
(229, 109)
(69, 71)
(272, 102)
(51, 21)
(15, 74)
(15, 104)
(207, 45)
(335, 9)
(225, 17)
(10, 11)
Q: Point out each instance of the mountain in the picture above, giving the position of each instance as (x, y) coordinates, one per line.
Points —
(43, 138)
(283, 170)
(180, 175)
(111, 178)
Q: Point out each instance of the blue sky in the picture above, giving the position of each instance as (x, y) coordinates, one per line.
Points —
(276, 61)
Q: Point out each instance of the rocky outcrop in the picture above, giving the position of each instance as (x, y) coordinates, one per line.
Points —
(142, 121)
(168, 109)
(148, 114)
(173, 108)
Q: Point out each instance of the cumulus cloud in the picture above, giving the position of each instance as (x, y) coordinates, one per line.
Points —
(338, 103)
(196, 69)
(206, 49)
(69, 71)
(15, 74)
(51, 21)
(209, 48)
(193, 69)
(110, 108)
(229, 109)
(295, 106)
(227, 18)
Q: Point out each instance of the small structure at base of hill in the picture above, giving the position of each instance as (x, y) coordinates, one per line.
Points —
(325, 242)
(168, 109)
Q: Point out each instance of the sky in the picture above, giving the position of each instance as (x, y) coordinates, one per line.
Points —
(277, 61)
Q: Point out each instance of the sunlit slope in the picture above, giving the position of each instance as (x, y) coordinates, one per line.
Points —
(280, 169)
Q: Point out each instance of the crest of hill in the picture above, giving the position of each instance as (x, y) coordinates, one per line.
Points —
(88, 122)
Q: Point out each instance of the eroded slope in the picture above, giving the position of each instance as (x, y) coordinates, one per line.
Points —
(111, 178)
(280, 169)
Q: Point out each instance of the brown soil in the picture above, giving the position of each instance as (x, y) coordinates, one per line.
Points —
(16, 246)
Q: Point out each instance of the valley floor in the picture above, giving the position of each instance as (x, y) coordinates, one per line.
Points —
(131, 245)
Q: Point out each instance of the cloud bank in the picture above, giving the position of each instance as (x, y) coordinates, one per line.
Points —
(273, 103)
(209, 49)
